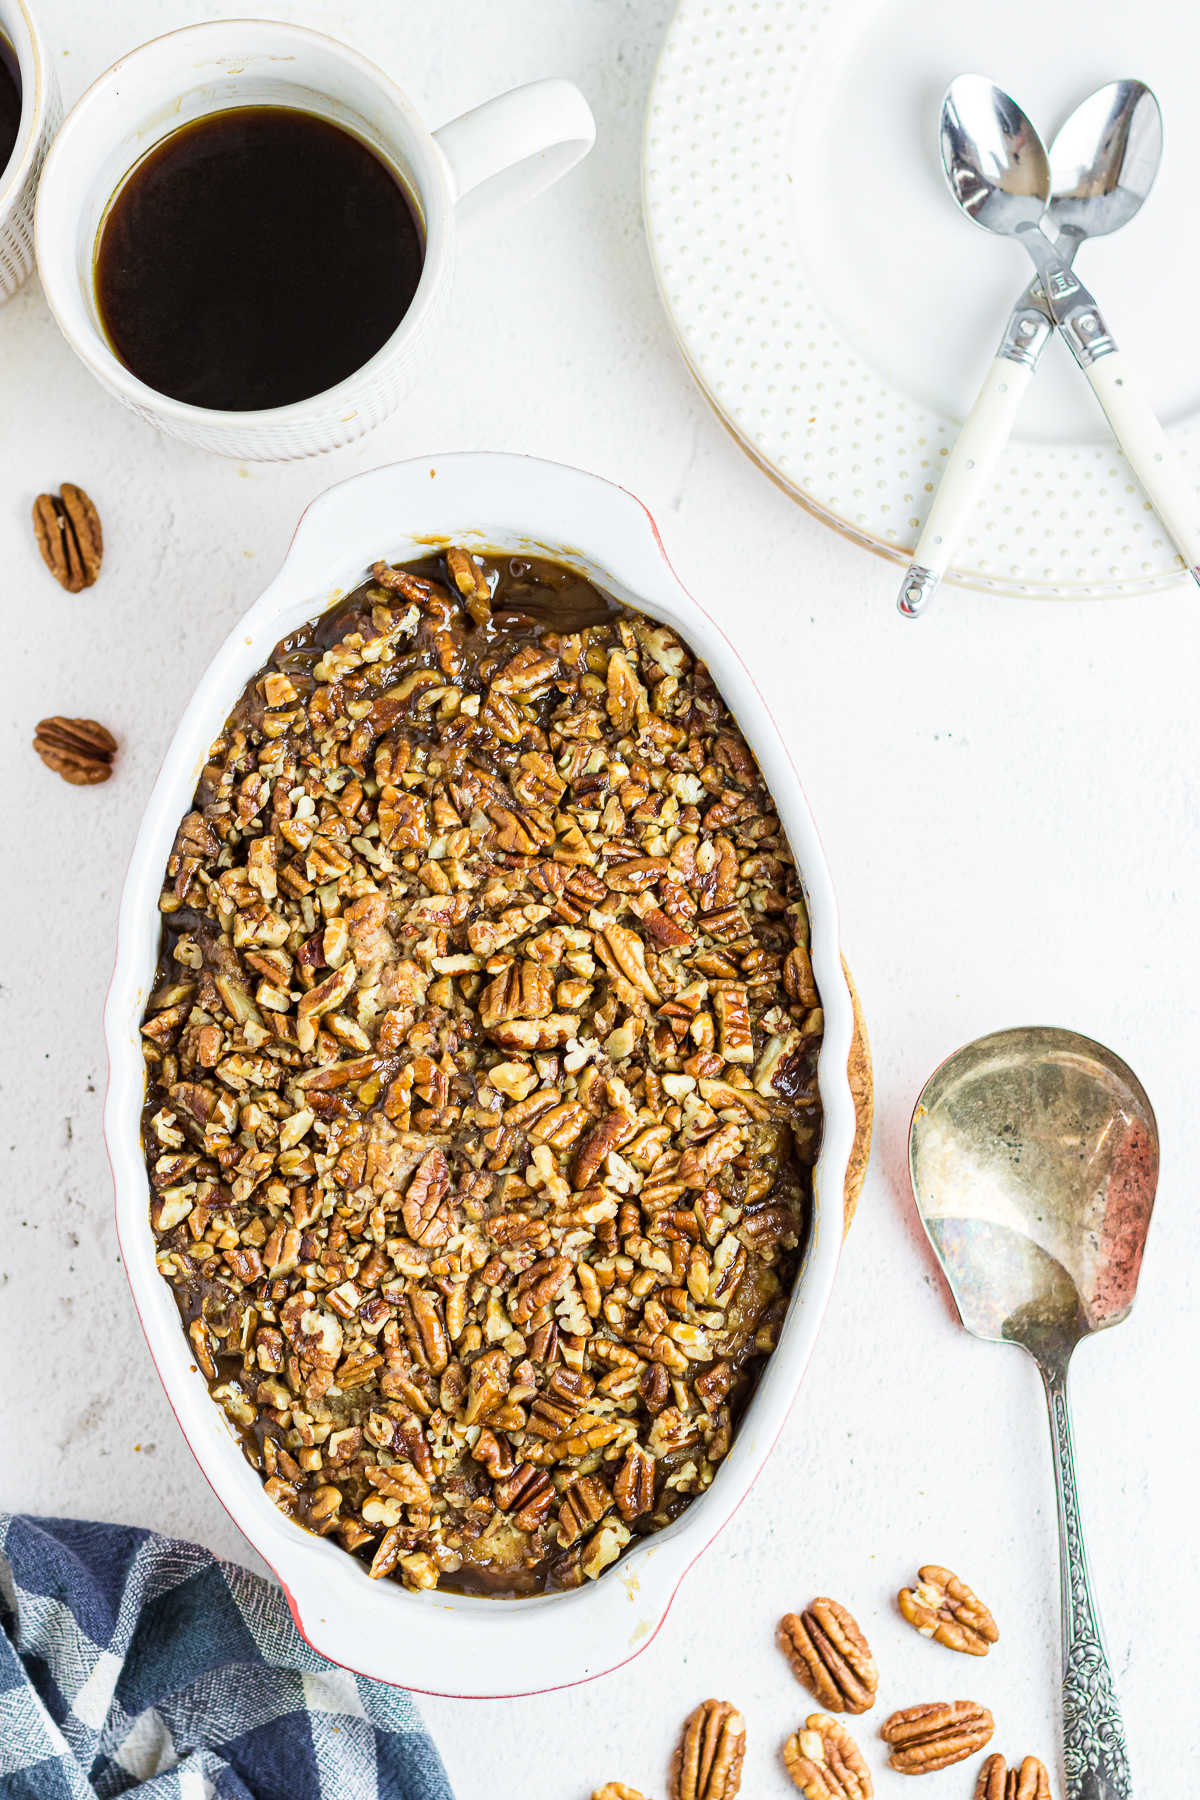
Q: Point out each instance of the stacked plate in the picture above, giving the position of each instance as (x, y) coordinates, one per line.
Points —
(839, 313)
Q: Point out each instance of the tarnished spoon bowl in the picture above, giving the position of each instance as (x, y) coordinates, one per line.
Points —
(1033, 1156)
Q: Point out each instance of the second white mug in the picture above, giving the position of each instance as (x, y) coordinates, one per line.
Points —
(490, 159)
(41, 111)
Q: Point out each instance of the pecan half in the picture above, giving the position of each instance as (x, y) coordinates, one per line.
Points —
(634, 1486)
(79, 750)
(616, 1790)
(471, 582)
(708, 1758)
(943, 1608)
(825, 1762)
(428, 1218)
(935, 1734)
(830, 1656)
(67, 528)
(1028, 1782)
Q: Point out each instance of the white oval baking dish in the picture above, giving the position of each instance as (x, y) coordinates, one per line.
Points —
(439, 1642)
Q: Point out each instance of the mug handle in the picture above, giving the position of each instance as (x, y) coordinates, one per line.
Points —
(503, 153)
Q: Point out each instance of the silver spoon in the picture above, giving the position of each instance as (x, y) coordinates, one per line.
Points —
(1033, 1156)
(1103, 164)
(999, 173)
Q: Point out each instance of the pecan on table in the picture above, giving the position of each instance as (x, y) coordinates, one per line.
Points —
(825, 1763)
(480, 1206)
(708, 1759)
(616, 1790)
(935, 1734)
(943, 1608)
(79, 750)
(830, 1656)
(67, 528)
(1029, 1781)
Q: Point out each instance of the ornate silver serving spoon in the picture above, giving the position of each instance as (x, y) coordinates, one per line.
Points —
(1033, 1156)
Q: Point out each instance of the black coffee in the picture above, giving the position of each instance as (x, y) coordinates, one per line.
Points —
(10, 102)
(255, 258)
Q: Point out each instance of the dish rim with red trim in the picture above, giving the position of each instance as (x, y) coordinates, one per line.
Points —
(441, 1642)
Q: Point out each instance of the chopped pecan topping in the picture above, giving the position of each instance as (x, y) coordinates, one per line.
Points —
(67, 528)
(708, 1758)
(935, 1734)
(943, 1608)
(1029, 1781)
(481, 1108)
(825, 1763)
(79, 750)
(830, 1655)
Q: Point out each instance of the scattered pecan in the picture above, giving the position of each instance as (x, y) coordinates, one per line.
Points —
(943, 1608)
(79, 750)
(830, 1655)
(67, 528)
(707, 1764)
(616, 1790)
(935, 1734)
(1027, 1782)
(825, 1763)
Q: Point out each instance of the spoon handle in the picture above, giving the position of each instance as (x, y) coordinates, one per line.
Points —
(1151, 456)
(972, 462)
(1094, 1753)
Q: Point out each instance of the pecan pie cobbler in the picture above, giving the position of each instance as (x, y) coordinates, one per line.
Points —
(481, 1075)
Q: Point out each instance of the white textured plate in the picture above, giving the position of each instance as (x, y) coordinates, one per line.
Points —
(839, 313)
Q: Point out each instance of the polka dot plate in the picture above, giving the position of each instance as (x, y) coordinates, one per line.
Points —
(839, 313)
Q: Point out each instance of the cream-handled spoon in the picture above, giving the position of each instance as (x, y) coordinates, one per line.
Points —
(1103, 163)
(1033, 1156)
(999, 174)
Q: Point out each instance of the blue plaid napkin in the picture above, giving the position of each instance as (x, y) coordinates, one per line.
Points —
(135, 1664)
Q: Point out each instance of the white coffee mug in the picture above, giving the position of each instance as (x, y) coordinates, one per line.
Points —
(41, 111)
(497, 156)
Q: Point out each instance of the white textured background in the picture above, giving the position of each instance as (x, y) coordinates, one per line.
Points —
(1008, 799)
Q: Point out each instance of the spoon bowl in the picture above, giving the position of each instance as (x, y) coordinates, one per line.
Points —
(1034, 1162)
(995, 162)
(1104, 159)
(1033, 1156)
